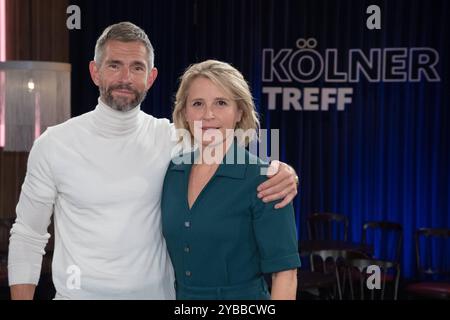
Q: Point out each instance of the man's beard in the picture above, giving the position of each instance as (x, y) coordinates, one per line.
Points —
(121, 103)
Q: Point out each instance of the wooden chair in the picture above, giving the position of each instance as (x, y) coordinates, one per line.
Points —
(432, 264)
(333, 262)
(386, 238)
(359, 271)
(327, 226)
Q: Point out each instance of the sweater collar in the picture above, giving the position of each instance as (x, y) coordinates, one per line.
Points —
(113, 123)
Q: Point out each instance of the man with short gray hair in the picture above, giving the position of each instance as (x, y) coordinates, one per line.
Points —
(101, 175)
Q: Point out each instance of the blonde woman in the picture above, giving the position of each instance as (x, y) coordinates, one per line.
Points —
(221, 237)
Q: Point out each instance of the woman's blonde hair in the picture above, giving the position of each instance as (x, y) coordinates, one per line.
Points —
(231, 80)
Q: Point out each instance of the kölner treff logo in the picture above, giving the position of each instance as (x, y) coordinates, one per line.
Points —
(289, 74)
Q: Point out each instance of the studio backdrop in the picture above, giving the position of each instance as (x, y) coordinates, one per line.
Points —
(362, 112)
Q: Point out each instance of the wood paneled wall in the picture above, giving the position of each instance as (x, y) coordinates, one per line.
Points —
(12, 173)
(36, 30)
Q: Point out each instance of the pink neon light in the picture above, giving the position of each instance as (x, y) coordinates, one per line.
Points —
(37, 115)
(2, 30)
(2, 74)
(2, 109)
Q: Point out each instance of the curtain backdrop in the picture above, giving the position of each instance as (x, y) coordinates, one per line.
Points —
(384, 157)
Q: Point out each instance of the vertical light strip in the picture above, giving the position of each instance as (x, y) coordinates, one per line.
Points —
(2, 74)
(2, 108)
(37, 115)
(2, 30)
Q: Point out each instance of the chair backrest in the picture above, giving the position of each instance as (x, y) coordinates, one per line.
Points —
(369, 279)
(334, 262)
(331, 262)
(386, 238)
(327, 226)
(320, 260)
(433, 253)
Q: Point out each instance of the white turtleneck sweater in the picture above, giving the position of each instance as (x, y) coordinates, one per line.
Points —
(101, 174)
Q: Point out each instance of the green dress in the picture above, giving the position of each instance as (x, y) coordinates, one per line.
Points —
(222, 246)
